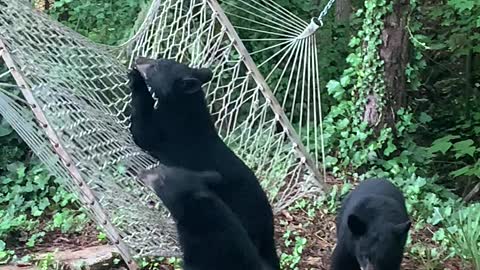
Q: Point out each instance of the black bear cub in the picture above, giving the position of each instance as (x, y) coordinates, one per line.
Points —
(180, 132)
(210, 235)
(372, 228)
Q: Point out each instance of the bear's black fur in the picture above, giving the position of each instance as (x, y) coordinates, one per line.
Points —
(372, 228)
(210, 235)
(181, 133)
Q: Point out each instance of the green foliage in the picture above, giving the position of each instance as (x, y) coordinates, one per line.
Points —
(435, 144)
(458, 27)
(332, 38)
(32, 202)
(450, 39)
(430, 258)
(410, 156)
(106, 22)
(298, 243)
(462, 230)
(157, 262)
(49, 263)
(354, 142)
(460, 150)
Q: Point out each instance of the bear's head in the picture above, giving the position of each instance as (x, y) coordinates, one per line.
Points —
(378, 245)
(179, 188)
(168, 78)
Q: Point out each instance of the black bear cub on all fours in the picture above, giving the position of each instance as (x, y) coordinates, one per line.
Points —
(372, 228)
(210, 235)
(180, 132)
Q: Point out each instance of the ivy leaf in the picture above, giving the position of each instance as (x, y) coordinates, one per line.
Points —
(354, 59)
(21, 171)
(5, 128)
(462, 171)
(330, 161)
(355, 41)
(41, 181)
(58, 220)
(28, 187)
(442, 144)
(424, 118)
(462, 5)
(436, 217)
(345, 80)
(390, 148)
(463, 148)
(33, 239)
(58, 4)
(36, 212)
(437, 46)
(43, 204)
(476, 129)
(335, 89)
(342, 124)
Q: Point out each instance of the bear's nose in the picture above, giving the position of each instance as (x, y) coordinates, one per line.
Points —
(144, 60)
(151, 178)
(143, 64)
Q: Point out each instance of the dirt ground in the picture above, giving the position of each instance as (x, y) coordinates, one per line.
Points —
(320, 234)
(319, 230)
(55, 240)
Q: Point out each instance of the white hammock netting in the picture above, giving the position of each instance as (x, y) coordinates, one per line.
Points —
(74, 107)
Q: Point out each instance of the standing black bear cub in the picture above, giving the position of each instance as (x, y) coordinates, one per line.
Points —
(181, 133)
(210, 235)
(372, 228)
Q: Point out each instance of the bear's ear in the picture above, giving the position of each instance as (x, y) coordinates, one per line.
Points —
(210, 178)
(203, 74)
(402, 228)
(356, 226)
(190, 85)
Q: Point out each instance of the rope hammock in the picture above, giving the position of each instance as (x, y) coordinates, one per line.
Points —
(70, 104)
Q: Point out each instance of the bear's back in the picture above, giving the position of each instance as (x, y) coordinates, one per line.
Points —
(378, 187)
(372, 199)
(215, 240)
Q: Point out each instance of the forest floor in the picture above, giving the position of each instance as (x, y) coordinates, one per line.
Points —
(318, 229)
(320, 234)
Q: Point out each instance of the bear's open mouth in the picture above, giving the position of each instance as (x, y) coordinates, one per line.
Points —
(143, 65)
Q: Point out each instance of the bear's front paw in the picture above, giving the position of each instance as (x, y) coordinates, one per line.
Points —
(136, 81)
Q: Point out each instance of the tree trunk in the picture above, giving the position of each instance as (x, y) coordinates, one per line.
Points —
(343, 9)
(394, 51)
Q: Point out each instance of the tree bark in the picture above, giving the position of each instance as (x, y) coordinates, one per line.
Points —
(343, 9)
(394, 51)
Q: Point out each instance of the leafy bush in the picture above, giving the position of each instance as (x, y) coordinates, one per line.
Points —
(435, 145)
(106, 22)
(463, 232)
(450, 44)
(32, 202)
